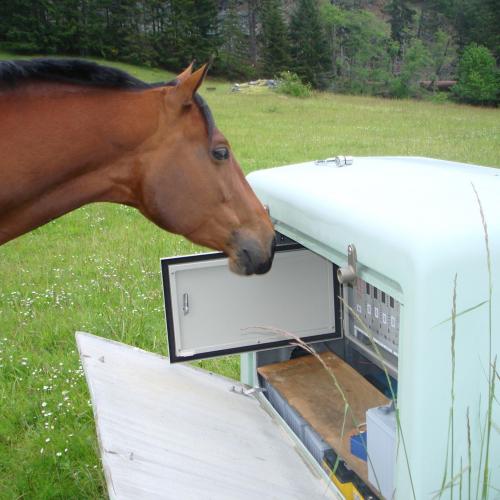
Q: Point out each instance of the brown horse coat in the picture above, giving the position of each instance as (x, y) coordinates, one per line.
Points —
(73, 132)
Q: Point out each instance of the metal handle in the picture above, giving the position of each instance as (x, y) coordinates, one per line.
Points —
(185, 303)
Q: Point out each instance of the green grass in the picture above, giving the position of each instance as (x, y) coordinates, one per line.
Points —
(97, 269)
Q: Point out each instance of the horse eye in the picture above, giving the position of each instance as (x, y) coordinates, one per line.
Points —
(221, 153)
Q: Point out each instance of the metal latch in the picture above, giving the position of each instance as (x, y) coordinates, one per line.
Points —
(246, 391)
(347, 275)
(185, 303)
(339, 161)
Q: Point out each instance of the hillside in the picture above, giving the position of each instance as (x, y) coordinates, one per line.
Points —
(378, 47)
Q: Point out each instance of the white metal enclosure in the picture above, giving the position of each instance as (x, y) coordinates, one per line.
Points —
(416, 225)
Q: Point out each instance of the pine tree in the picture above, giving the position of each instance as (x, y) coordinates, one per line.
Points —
(120, 28)
(477, 21)
(275, 47)
(401, 21)
(190, 32)
(233, 59)
(309, 49)
(24, 26)
(204, 39)
(252, 6)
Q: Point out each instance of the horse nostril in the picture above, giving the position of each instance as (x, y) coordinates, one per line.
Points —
(264, 267)
(246, 260)
(253, 259)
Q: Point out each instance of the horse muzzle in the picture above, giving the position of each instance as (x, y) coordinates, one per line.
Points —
(251, 256)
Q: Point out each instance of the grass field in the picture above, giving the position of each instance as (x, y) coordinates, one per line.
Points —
(97, 269)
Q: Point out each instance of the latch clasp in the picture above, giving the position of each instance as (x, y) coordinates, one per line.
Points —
(339, 161)
(244, 391)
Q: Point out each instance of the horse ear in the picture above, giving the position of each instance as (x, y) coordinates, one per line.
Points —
(185, 74)
(186, 88)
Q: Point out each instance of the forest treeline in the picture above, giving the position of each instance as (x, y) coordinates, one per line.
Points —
(358, 46)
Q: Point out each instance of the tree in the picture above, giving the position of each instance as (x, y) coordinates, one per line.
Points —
(25, 26)
(120, 28)
(252, 30)
(309, 49)
(233, 59)
(190, 31)
(443, 54)
(358, 42)
(275, 52)
(414, 65)
(205, 39)
(401, 21)
(478, 78)
(73, 27)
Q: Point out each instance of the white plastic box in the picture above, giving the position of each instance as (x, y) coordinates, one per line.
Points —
(381, 445)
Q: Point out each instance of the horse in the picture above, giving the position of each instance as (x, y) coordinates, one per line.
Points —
(73, 132)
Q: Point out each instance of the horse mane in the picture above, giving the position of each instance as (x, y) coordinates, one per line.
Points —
(72, 71)
(85, 73)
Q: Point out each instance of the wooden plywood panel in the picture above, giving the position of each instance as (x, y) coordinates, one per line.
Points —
(309, 388)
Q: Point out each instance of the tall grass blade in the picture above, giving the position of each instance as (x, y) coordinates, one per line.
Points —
(337, 459)
(452, 409)
(445, 471)
(461, 313)
(489, 425)
(491, 367)
(453, 481)
(461, 481)
(469, 454)
(482, 436)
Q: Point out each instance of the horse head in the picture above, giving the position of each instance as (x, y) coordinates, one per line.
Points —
(193, 185)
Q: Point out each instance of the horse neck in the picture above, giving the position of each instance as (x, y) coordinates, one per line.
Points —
(67, 149)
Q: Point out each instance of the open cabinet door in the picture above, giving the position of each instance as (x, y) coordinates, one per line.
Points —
(211, 312)
(176, 432)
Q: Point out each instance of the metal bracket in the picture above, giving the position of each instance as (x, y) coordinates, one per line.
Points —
(246, 391)
(348, 275)
(339, 161)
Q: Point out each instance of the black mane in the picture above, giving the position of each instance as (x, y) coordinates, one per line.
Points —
(73, 71)
(85, 73)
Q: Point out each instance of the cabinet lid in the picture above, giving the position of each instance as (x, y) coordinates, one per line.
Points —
(211, 311)
(390, 198)
(400, 212)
